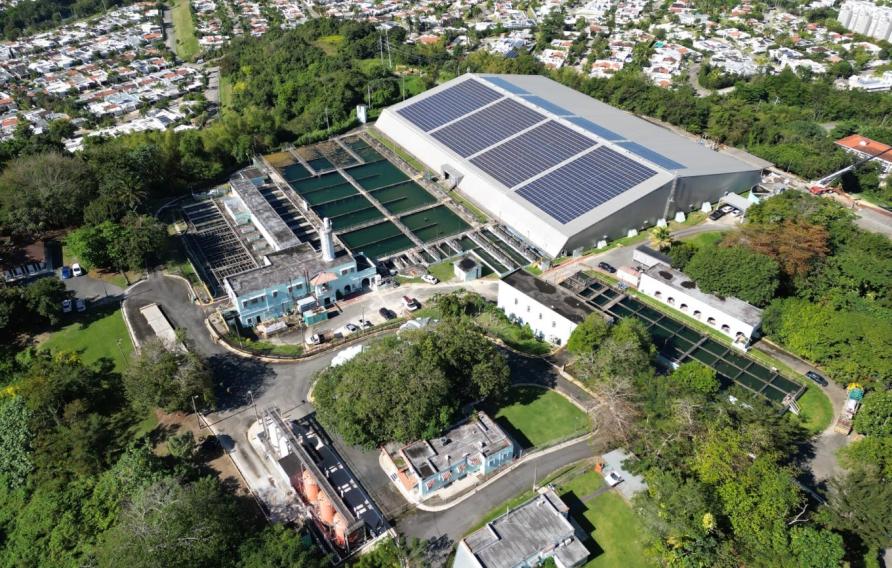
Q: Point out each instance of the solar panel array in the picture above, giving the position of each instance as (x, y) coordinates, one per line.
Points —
(489, 126)
(585, 183)
(542, 147)
(449, 104)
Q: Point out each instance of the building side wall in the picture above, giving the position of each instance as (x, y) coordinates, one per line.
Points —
(688, 305)
(545, 322)
(692, 192)
(502, 458)
(464, 558)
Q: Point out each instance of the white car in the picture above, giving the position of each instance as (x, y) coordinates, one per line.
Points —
(613, 479)
(348, 329)
(66, 306)
(364, 323)
(430, 279)
(315, 339)
(77, 270)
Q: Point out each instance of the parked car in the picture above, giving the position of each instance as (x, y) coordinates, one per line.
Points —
(606, 267)
(364, 323)
(726, 209)
(77, 270)
(716, 215)
(613, 479)
(80, 305)
(66, 306)
(410, 304)
(386, 314)
(816, 378)
(315, 339)
(349, 328)
(65, 273)
(430, 279)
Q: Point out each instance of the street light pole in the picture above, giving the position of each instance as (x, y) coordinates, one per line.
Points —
(195, 410)
(254, 404)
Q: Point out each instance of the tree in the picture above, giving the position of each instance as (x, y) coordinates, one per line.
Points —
(15, 441)
(588, 335)
(869, 452)
(797, 246)
(859, 503)
(735, 271)
(695, 377)
(816, 548)
(681, 254)
(165, 377)
(168, 523)
(43, 192)
(182, 446)
(623, 356)
(661, 238)
(874, 418)
(279, 547)
(44, 298)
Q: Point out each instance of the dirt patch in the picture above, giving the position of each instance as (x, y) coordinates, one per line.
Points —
(210, 452)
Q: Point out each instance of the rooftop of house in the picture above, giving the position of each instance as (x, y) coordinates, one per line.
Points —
(863, 144)
(562, 301)
(730, 306)
(292, 265)
(277, 230)
(538, 525)
(479, 434)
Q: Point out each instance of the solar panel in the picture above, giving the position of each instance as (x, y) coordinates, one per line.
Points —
(595, 129)
(449, 104)
(487, 127)
(532, 153)
(548, 105)
(585, 183)
(507, 85)
(654, 157)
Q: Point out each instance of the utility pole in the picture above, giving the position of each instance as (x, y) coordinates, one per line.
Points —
(381, 48)
(369, 95)
(387, 37)
(327, 123)
(254, 404)
(195, 410)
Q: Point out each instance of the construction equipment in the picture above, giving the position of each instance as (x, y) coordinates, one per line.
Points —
(822, 185)
(849, 409)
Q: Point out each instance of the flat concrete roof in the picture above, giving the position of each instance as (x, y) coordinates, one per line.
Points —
(294, 264)
(538, 525)
(282, 235)
(557, 298)
(731, 306)
(480, 435)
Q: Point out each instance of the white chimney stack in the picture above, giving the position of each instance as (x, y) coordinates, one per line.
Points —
(328, 252)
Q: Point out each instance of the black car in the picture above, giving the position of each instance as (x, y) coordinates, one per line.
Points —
(816, 378)
(606, 267)
(387, 314)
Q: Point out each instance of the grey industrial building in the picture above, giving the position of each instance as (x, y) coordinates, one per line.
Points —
(559, 168)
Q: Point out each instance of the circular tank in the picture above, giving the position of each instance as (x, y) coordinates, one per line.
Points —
(326, 509)
(311, 488)
(340, 529)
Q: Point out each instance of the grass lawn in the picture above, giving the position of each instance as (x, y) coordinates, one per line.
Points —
(184, 30)
(225, 92)
(536, 416)
(443, 271)
(512, 334)
(94, 334)
(377, 135)
(330, 43)
(708, 239)
(479, 215)
(816, 410)
(533, 269)
(615, 531)
(414, 85)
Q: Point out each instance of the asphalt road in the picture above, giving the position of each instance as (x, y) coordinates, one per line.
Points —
(242, 383)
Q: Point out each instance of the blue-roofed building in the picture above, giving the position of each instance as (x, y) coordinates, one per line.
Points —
(562, 170)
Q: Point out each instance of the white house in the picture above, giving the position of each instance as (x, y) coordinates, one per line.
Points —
(551, 311)
(732, 316)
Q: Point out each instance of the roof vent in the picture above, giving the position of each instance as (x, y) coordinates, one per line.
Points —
(862, 142)
(688, 284)
(666, 275)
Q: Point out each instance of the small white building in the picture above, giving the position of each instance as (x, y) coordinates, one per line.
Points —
(732, 316)
(466, 269)
(551, 311)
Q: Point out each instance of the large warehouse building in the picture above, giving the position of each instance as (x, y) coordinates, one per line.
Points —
(560, 168)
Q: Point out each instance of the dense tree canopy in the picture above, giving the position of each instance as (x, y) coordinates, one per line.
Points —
(409, 387)
(162, 376)
(735, 271)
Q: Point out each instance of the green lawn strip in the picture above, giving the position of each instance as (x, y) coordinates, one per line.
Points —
(94, 335)
(225, 92)
(512, 334)
(816, 410)
(261, 347)
(533, 269)
(536, 417)
(377, 135)
(443, 271)
(702, 240)
(616, 535)
(623, 242)
(330, 43)
(184, 30)
(479, 215)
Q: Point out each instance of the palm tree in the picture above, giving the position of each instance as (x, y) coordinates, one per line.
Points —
(661, 238)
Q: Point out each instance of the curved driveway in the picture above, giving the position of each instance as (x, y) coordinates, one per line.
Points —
(285, 386)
